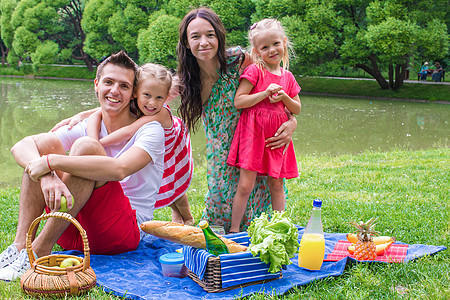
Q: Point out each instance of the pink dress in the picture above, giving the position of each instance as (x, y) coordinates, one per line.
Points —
(178, 163)
(261, 121)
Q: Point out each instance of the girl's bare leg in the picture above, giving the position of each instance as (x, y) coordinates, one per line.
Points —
(183, 210)
(176, 215)
(245, 187)
(277, 193)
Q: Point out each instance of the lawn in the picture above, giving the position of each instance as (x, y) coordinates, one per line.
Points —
(407, 190)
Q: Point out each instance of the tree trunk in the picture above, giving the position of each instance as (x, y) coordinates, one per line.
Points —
(375, 74)
(86, 58)
(5, 51)
(391, 76)
(400, 71)
(399, 75)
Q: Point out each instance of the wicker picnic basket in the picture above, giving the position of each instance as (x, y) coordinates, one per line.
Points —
(212, 279)
(46, 278)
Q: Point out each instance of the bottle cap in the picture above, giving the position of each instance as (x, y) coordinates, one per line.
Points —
(172, 258)
(203, 224)
(317, 203)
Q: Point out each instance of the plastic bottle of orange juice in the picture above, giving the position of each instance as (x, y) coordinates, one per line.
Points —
(312, 244)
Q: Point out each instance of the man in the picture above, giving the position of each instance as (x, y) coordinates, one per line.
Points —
(110, 190)
(437, 73)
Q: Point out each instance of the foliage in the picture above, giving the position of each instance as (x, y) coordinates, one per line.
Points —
(388, 38)
(95, 23)
(124, 26)
(382, 38)
(235, 15)
(44, 54)
(158, 42)
(37, 24)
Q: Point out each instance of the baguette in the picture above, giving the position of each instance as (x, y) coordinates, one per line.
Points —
(185, 235)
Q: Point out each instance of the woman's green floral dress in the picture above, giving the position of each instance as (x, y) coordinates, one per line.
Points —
(220, 118)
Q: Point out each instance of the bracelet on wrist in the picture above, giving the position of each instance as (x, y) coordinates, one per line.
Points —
(48, 164)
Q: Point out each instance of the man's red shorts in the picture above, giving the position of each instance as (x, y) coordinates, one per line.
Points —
(109, 222)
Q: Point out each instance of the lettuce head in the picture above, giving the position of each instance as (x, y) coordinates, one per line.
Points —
(275, 240)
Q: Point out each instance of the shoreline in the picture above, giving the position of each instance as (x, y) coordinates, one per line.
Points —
(303, 92)
(376, 98)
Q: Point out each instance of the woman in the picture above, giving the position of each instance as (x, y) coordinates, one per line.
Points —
(209, 78)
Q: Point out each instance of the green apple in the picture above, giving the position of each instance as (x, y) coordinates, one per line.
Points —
(70, 262)
(63, 206)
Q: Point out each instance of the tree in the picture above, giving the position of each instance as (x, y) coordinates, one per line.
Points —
(235, 15)
(124, 26)
(6, 32)
(43, 28)
(95, 24)
(158, 42)
(390, 34)
(113, 25)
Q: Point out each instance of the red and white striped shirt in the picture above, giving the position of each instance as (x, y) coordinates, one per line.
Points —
(178, 163)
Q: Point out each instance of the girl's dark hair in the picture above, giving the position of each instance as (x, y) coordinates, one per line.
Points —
(189, 72)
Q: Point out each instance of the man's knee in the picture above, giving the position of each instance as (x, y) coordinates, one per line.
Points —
(87, 146)
(48, 143)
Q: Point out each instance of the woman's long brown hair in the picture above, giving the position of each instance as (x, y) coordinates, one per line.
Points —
(190, 109)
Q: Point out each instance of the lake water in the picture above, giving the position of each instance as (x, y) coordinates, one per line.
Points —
(326, 125)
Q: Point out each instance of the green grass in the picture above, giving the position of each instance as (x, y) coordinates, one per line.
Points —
(370, 88)
(407, 190)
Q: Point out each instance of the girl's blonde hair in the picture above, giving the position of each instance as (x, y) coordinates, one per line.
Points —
(264, 26)
(155, 71)
(149, 70)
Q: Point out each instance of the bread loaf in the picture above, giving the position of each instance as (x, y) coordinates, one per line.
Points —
(185, 235)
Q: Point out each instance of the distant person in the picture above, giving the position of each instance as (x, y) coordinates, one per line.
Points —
(153, 84)
(424, 70)
(437, 73)
(266, 89)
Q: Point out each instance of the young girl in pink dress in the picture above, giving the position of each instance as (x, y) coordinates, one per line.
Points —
(266, 89)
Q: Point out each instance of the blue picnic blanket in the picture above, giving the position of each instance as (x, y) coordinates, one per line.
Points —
(137, 274)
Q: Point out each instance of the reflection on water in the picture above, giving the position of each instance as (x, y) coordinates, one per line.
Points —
(325, 125)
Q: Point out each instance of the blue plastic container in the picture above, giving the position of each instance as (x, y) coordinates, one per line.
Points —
(172, 265)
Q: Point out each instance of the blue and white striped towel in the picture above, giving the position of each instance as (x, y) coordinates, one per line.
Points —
(237, 268)
(195, 260)
(243, 267)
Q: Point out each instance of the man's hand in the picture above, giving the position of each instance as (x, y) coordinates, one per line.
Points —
(37, 168)
(52, 188)
(283, 136)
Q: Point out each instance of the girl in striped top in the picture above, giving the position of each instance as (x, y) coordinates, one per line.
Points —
(153, 85)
